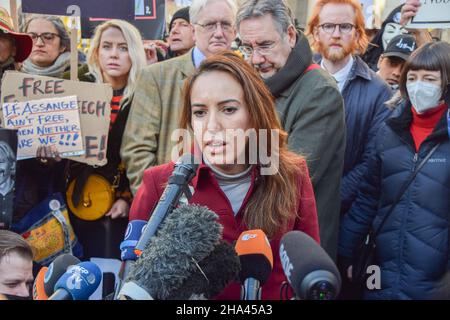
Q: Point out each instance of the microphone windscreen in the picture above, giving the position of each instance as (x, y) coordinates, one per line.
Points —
(255, 255)
(56, 269)
(187, 236)
(215, 272)
(81, 280)
(300, 256)
(38, 285)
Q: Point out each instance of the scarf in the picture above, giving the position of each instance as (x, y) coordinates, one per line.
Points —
(299, 59)
(55, 70)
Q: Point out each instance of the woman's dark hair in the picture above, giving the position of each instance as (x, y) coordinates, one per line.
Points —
(432, 56)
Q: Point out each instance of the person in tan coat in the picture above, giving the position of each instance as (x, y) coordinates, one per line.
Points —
(156, 105)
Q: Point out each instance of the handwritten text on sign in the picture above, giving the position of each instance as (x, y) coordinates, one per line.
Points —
(93, 100)
(45, 122)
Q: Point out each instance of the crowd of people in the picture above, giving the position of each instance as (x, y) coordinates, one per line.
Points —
(357, 120)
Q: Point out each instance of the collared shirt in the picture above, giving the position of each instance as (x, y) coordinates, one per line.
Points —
(342, 75)
(197, 56)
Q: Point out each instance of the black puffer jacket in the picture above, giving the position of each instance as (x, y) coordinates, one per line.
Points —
(413, 245)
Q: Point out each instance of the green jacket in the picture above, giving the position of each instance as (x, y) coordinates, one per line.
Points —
(154, 115)
(311, 110)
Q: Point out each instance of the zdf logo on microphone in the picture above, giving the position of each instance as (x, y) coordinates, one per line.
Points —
(249, 236)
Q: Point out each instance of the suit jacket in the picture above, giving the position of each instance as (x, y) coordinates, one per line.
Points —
(154, 115)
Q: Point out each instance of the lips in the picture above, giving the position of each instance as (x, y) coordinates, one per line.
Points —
(113, 65)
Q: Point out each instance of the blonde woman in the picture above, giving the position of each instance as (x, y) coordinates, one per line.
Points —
(115, 57)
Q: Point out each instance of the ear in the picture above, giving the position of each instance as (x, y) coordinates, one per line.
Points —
(193, 33)
(62, 49)
(292, 35)
(315, 34)
(379, 61)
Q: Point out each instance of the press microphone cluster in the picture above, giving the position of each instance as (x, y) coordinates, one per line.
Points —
(186, 237)
(44, 283)
(308, 268)
(135, 242)
(66, 278)
(78, 283)
(255, 255)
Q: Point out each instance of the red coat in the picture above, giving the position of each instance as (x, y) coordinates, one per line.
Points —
(208, 193)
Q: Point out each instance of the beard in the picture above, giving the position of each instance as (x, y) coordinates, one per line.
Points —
(336, 54)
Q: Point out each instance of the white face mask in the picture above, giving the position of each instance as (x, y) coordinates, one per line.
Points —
(423, 95)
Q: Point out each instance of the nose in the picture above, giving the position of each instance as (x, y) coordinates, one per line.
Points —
(218, 32)
(114, 53)
(22, 290)
(39, 42)
(336, 32)
(213, 122)
(397, 71)
(257, 58)
(175, 29)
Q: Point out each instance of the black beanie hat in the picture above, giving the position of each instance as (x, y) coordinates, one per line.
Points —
(183, 13)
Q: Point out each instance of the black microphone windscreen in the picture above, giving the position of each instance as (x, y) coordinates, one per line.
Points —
(56, 269)
(300, 256)
(216, 271)
(255, 266)
(188, 235)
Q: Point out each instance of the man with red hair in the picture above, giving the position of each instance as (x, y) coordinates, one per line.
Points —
(337, 27)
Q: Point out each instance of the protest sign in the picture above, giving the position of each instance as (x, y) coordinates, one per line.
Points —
(45, 122)
(111, 9)
(149, 18)
(93, 100)
(432, 14)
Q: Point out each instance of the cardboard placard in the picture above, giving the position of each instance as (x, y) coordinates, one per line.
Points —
(45, 122)
(433, 14)
(93, 100)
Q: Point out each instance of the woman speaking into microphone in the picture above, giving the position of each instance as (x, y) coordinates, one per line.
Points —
(247, 175)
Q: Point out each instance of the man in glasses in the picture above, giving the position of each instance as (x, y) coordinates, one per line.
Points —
(157, 104)
(307, 99)
(338, 34)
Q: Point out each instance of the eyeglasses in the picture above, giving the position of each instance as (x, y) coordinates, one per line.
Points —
(344, 28)
(212, 26)
(262, 50)
(46, 37)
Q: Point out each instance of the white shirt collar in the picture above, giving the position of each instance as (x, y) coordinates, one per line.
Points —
(342, 75)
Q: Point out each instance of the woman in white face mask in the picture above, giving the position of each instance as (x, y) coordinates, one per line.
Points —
(409, 214)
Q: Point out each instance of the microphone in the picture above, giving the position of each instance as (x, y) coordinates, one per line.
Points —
(78, 282)
(308, 268)
(38, 285)
(127, 255)
(215, 272)
(187, 236)
(255, 254)
(132, 235)
(56, 269)
(185, 169)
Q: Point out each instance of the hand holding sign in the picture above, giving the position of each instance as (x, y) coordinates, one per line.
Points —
(409, 10)
(432, 14)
